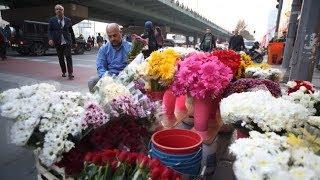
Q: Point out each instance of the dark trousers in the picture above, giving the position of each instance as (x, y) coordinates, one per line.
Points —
(65, 51)
(3, 51)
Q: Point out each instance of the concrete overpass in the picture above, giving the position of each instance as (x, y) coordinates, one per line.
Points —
(173, 17)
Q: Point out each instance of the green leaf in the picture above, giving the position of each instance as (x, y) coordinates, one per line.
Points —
(107, 173)
(120, 173)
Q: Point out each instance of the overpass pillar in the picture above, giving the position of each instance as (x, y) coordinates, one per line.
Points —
(196, 37)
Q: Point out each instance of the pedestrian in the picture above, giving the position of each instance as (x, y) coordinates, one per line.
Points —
(81, 37)
(159, 37)
(236, 42)
(208, 42)
(99, 40)
(3, 44)
(62, 37)
(89, 40)
(112, 57)
(92, 42)
(150, 37)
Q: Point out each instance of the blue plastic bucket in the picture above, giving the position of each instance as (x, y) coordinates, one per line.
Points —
(183, 163)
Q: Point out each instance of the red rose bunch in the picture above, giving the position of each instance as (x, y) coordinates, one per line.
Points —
(125, 165)
(296, 85)
(124, 133)
(229, 58)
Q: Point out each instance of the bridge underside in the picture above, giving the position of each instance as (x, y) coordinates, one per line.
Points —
(134, 13)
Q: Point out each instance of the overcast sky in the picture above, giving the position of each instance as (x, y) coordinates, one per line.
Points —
(226, 13)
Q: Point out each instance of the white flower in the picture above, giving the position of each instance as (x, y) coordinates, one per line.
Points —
(55, 114)
(264, 110)
(108, 89)
(299, 173)
(257, 72)
(269, 156)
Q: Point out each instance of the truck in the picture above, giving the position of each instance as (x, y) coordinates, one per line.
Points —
(31, 38)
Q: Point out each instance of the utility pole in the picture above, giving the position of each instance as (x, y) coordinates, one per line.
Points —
(303, 59)
(279, 6)
(291, 36)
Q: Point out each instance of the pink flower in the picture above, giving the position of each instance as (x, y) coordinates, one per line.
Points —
(201, 75)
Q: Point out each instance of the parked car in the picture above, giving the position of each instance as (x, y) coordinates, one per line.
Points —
(248, 44)
(31, 37)
(169, 43)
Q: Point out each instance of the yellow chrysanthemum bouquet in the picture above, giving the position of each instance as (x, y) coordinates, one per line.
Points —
(161, 68)
(246, 61)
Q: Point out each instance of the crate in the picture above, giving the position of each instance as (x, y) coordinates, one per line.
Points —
(49, 173)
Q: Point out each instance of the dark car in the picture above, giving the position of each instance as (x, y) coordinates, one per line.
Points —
(168, 43)
(31, 37)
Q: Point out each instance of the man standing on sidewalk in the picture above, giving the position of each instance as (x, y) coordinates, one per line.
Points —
(208, 42)
(99, 40)
(62, 37)
(236, 42)
(112, 57)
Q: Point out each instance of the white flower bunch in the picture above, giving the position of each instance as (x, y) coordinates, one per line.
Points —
(259, 73)
(307, 100)
(40, 109)
(25, 92)
(260, 108)
(131, 71)
(314, 121)
(269, 156)
(108, 89)
(184, 52)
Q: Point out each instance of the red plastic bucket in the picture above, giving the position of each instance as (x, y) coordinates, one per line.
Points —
(177, 141)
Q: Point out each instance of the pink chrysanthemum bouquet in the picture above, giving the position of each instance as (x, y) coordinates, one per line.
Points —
(201, 76)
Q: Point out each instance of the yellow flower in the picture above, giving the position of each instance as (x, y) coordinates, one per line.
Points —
(262, 65)
(294, 140)
(245, 62)
(162, 65)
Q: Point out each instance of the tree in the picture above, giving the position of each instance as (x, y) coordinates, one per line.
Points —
(241, 27)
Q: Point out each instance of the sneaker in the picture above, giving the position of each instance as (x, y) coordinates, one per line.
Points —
(64, 75)
(71, 77)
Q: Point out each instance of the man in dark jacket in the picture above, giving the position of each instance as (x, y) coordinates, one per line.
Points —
(99, 40)
(62, 37)
(150, 36)
(236, 42)
(3, 44)
(208, 42)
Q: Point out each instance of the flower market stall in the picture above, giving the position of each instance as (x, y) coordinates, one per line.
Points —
(128, 128)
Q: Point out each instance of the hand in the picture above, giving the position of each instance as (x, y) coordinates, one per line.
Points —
(51, 42)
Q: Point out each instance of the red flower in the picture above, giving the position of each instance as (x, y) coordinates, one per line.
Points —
(308, 85)
(229, 58)
(97, 159)
(123, 156)
(114, 165)
(155, 173)
(108, 156)
(89, 156)
(131, 158)
(167, 173)
(154, 163)
(142, 160)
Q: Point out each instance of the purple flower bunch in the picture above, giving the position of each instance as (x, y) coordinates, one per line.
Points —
(201, 75)
(126, 105)
(94, 115)
(248, 84)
